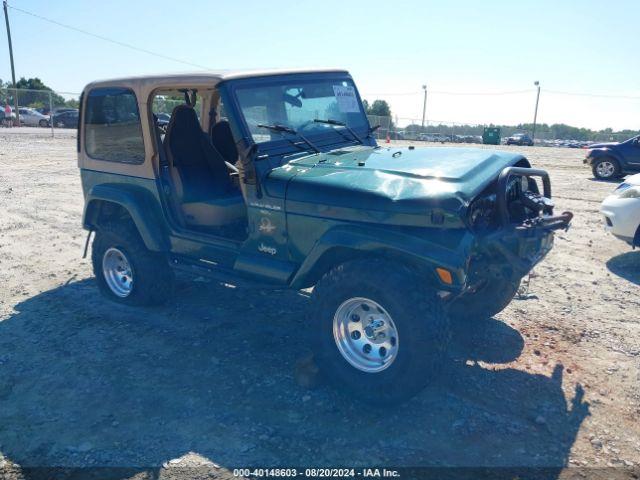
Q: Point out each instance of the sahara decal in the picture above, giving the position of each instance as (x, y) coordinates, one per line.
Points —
(266, 206)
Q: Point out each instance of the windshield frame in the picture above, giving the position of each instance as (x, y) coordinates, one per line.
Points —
(326, 138)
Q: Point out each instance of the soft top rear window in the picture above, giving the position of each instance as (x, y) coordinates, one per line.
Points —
(112, 126)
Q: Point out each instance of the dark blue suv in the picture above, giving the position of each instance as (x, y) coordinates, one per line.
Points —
(612, 160)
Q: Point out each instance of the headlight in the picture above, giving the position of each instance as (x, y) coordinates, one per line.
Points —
(630, 192)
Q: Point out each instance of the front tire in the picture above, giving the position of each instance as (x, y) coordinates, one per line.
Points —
(606, 169)
(379, 333)
(43, 123)
(489, 300)
(126, 271)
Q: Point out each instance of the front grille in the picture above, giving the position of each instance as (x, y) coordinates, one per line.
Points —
(608, 220)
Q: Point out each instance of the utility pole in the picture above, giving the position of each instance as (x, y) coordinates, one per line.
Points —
(535, 115)
(424, 105)
(13, 71)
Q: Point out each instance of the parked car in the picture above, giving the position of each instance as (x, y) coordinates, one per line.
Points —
(66, 119)
(47, 111)
(613, 160)
(520, 139)
(466, 139)
(621, 211)
(433, 137)
(32, 118)
(395, 240)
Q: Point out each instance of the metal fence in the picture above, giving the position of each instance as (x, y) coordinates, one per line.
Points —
(48, 112)
(38, 111)
(398, 128)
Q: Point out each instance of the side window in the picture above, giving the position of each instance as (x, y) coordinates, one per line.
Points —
(112, 130)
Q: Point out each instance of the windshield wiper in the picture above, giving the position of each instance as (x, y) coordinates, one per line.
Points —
(282, 129)
(337, 123)
(372, 130)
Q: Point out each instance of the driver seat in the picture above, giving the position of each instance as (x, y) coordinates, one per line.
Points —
(201, 183)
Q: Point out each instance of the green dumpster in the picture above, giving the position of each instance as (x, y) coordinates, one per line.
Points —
(491, 136)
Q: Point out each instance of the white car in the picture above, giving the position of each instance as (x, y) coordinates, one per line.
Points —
(32, 118)
(621, 211)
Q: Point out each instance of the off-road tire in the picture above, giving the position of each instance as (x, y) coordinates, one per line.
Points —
(153, 277)
(484, 303)
(422, 326)
(616, 168)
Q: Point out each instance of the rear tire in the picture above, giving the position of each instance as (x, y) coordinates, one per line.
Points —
(43, 123)
(126, 271)
(413, 313)
(486, 302)
(606, 168)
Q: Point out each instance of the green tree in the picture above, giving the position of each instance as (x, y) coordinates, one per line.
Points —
(31, 96)
(380, 108)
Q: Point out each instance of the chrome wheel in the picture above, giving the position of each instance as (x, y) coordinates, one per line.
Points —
(117, 272)
(605, 169)
(365, 335)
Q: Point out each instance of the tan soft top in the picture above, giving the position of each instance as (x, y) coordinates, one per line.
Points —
(144, 85)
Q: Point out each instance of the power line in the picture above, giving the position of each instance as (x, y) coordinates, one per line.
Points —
(513, 92)
(597, 95)
(203, 67)
(110, 40)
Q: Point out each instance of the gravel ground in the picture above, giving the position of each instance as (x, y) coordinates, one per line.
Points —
(214, 377)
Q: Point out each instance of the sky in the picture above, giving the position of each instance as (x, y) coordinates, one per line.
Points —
(471, 54)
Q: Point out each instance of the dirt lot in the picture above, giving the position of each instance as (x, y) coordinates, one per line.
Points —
(552, 381)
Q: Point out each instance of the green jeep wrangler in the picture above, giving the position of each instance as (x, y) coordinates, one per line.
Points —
(275, 179)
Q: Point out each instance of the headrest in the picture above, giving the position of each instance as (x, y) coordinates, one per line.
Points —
(183, 131)
(222, 138)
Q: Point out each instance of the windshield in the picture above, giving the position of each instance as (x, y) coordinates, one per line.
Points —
(300, 105)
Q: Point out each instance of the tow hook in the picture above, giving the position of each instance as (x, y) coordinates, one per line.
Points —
(555, 222)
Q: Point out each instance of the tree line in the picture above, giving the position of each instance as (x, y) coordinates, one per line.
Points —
(560, 131)
(32, 92)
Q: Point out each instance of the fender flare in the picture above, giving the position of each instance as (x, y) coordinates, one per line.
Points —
(143, 208)
(598, 153)
(345, 242)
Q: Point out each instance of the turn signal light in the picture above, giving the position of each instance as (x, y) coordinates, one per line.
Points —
(445, 275)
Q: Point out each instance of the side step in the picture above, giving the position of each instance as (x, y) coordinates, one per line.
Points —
(220, 274)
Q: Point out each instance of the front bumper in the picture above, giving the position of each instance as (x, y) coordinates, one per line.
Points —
(524, 246)
(621, 216)
(514, 249)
